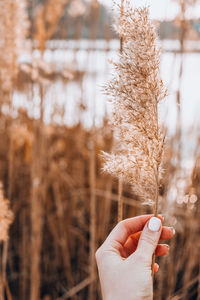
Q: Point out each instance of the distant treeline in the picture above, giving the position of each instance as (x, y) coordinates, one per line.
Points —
(98, 23)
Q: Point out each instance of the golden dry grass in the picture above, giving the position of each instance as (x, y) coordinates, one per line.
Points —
(63, 204)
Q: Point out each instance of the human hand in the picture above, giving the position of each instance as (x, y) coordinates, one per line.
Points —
(125, 258)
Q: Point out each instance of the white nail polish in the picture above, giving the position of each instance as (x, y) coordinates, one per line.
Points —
(154, 224)
(174, 231)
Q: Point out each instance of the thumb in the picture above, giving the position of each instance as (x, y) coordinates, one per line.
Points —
(149, 239)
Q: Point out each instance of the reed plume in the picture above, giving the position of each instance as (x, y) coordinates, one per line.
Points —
(6, 215)
(13, 30)
(135, 91)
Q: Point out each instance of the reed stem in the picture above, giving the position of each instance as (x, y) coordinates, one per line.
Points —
(121, 38)
(155, 215)
(120, 200)
(92, 220)
(120, 185)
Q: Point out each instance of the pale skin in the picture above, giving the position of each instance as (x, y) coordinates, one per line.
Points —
(125, 259)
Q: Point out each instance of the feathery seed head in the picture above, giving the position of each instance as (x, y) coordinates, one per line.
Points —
(135, 92)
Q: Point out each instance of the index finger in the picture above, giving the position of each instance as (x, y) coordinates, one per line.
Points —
(125, 228)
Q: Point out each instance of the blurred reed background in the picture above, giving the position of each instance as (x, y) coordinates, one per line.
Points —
(54, 124)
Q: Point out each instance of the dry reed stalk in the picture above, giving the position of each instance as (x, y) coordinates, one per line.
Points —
(178, 94)
(93, 26)
(199, 281)
(168, 262)
(120, 184)
(77, 10)
(179, 295)
(64, 242)
(160, 281)
(180, 265)
(136, 91)
(94, 19)
(173, 271)
(25, 261)
(38, 191)
(47, 19)
(126, 200)
(121, 12)
(195, 188)
(120, 200)
(36, 220)
(189, 252)
(4, 263)
(8, 292)
(105, 211)
(184, 33)
(92, 171)
(10, 168)
(92, 180)
(72, 292)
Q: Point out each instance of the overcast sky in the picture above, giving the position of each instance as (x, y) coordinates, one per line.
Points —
(161, 9)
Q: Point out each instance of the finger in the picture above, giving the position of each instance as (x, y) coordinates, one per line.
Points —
(167, 233)
(131, 244)
(124, 229)
(156, 268)
(162, 250)
(149, 239)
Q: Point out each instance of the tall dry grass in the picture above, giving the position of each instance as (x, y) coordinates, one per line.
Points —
(63, 205)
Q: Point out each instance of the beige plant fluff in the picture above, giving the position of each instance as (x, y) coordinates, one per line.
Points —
(13, 30)
(6, 216)
(135, 91)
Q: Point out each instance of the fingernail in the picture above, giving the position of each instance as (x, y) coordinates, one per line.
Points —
(154, 224)
(173, 230)
(163, 218)
(167, 248)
